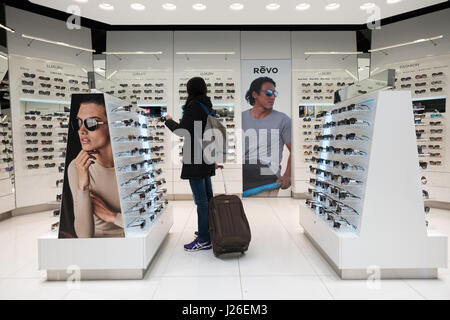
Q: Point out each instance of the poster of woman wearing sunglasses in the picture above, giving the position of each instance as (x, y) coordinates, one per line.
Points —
(266, 128)
(90, 202)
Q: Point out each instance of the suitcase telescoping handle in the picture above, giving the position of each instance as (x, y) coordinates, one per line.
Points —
(223, 177)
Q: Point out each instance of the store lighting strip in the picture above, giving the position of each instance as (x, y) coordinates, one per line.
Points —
(7, 28)
(406, 43)
(332, 52)
(205, 52)
(351, 74)
(133, 52)
(59, 43)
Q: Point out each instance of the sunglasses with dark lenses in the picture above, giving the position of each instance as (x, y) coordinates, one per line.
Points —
(29, 75)
(90, 124)
(270, 93)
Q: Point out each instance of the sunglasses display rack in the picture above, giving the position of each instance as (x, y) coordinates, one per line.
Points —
(140, 91)
(6, 162)
(142, 188)
(313, 87)
(430, 134)
(423, 84)
(366, 202)
(220, 90)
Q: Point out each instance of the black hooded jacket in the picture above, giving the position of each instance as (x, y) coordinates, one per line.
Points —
(193, 112)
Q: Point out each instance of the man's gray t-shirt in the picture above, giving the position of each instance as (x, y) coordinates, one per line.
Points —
(265, 137)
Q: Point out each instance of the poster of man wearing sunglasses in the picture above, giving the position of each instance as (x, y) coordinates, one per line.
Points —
(90, 202)
(266, 137)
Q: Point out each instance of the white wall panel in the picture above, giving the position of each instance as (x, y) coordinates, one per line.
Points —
(430, 25)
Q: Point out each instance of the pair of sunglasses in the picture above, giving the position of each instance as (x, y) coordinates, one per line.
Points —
(270, 93)
(91, 124)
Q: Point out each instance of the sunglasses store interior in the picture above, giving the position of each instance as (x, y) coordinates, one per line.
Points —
(327, 179)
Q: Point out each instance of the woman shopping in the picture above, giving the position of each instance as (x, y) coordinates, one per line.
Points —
(194, 167)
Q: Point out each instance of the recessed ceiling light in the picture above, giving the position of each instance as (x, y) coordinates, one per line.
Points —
(106, 6)
(199, 7)
(169, 6)
(273, 6)
(137, 6)
(392, 1)
(81, 1)
(236, 6)
(303, 6)
(367, 6)
(332, 6)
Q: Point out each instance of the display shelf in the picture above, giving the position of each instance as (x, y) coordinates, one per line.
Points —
(391, 217)
(46, 101)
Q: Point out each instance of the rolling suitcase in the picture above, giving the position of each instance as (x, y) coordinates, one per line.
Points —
(228, 225)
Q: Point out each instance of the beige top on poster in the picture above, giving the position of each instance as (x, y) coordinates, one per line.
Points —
(102, 182)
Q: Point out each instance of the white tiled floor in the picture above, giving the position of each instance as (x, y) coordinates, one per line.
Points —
(280, 264)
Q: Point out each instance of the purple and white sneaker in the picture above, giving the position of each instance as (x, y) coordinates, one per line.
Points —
(196, 245)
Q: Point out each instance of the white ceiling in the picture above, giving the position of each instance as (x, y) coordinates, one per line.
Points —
(219, 13)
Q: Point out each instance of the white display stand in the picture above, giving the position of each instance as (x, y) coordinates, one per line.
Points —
(103, 258)
(391, 234)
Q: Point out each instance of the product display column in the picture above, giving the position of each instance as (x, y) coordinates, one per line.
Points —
(366, 191)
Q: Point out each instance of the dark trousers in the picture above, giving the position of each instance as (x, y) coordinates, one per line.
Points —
(202, 191)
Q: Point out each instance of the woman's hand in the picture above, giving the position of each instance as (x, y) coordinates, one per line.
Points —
(82, 163)
(101, 210)
(167, 117)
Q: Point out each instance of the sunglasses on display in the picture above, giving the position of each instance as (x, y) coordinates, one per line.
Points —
(44, 118)
(29, 75)
(435, 115)
(28, 91)
(33, 166)
(58, 80)
(406, 79)
(435, 123)
(406, 85)
(420, 91)
(45, 85)
(44, 78)
(436, 89)
(421, 84)
(47, 142)
(421, 76)
(46, 134)
(44, 93)
(48, 149)
(435, 163)
(91, 124)
(31, 134)
(435, 138)
(27, 83)
(437, 74)
(32, 158)
(31, 150)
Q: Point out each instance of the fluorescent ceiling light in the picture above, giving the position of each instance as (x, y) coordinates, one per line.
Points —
(206, 52)
(137, 6)
(59, 43)
(332, 52)
(106, 6)
(392, 1)
(303, 6)
(6, 28)
(273, 6)
(132, 52)
(332, 6)
(236, 6)
(169, 6)
(367, 6)
(406, 43)
(199, 7)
